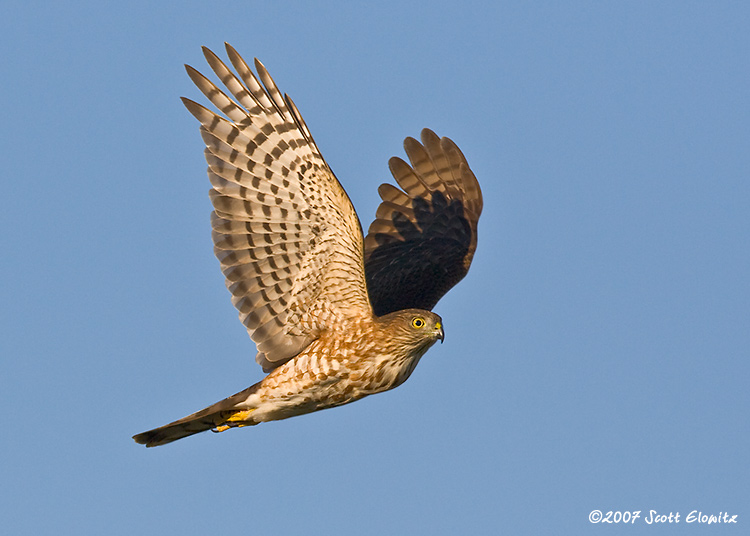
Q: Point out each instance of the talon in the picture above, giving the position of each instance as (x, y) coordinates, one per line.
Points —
(240, 416)
(235, 419)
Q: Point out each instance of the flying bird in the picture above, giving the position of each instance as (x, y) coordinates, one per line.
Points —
(335, 315)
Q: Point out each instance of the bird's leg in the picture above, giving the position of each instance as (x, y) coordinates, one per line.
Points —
(235, 419)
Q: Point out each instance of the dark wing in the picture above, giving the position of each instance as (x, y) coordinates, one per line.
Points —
(424, 237)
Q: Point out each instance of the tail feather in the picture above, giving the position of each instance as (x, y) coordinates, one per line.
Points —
(220, 416)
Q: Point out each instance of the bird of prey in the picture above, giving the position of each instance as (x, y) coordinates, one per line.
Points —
(335, 316)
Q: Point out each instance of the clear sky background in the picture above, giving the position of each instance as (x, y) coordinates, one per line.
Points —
(596, 355)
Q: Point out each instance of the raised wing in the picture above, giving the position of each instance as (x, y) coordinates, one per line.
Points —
(424, 237)
(284, 230)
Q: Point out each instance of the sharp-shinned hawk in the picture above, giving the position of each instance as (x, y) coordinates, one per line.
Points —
(335, 316)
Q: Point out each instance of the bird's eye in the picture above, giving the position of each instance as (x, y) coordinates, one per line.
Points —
(418, 322)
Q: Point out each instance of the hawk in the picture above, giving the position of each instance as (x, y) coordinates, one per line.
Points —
(335, 316)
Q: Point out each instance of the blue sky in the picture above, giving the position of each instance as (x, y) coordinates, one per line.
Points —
(596, 355)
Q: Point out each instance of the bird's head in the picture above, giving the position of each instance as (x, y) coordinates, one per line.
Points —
(415, 328)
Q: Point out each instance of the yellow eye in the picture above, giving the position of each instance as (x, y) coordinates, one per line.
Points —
(418, 322)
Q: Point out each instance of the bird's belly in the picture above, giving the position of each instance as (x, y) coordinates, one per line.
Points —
(277, 405)
(287, 394)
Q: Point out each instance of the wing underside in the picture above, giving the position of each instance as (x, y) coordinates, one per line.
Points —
(284, 230)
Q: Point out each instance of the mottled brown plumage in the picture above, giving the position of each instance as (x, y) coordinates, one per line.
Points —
(334, 317)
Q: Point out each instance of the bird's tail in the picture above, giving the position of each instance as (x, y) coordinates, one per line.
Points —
(217, 417)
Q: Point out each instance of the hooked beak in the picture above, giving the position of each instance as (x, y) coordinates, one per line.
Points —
(440, 332)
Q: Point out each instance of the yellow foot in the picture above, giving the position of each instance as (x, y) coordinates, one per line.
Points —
(233, 417)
